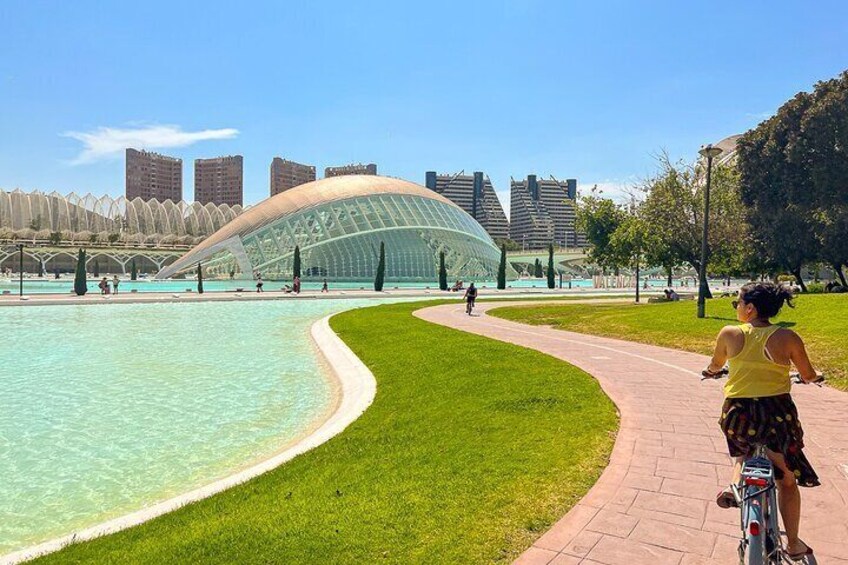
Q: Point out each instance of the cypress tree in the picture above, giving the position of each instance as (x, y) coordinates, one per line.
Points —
(551, 266)
(96, 268)
(199, 280)
(537, 269)
(381, 269)
(502, 268)
(443, 273)
(80, 286)
(296, 262)
(133, 272)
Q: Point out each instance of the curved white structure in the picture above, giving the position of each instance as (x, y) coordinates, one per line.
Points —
(338, 224)
(38, 215)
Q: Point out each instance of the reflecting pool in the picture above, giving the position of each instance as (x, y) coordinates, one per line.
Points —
(107, 410)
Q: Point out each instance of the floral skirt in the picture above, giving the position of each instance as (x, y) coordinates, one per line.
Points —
(771, 421)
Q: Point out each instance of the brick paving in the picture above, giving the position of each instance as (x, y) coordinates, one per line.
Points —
(654, 503)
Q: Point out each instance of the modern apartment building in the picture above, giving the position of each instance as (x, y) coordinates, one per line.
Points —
(151, 175)
(543, 212)
(474, 194)
(219, 180)
(288, 174)
(352, 169)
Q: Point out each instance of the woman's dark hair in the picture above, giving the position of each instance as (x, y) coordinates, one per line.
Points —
(767, 298)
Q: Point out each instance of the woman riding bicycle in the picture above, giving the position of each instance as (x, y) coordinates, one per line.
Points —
(470, 297)
(758, 408)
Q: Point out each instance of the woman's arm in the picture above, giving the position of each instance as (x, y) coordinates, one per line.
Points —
(798, 356)
(720, 353)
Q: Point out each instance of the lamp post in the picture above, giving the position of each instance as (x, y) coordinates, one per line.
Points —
(21, 270)
(709, 152)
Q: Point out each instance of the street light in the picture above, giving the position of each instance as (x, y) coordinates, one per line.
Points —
(709, 152)
(21, 273)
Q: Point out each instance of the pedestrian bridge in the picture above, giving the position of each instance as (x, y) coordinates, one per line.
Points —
(563, 258)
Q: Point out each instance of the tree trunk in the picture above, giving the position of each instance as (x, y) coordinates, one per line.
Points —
(838, 268)
(800, 279)
(668, 272)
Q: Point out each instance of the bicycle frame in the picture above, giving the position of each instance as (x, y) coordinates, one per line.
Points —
(756, 495)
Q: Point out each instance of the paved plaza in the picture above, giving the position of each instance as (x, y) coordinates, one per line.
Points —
(654, 504)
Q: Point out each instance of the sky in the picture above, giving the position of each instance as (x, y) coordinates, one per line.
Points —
(587, 90)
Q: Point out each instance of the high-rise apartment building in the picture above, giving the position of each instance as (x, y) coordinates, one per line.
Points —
(543, 212)
(219, 180)
(474, 194)
(288, 174)
(352, 169)
(151, 175)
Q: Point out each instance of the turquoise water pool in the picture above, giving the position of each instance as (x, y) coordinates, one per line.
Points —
(65, 285)
(107, 410)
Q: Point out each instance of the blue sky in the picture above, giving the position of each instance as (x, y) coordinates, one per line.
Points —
(591, 90)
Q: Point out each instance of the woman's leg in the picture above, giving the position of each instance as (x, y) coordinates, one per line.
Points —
(789, 500)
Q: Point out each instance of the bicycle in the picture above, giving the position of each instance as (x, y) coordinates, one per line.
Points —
(756, 497)
(469, 306)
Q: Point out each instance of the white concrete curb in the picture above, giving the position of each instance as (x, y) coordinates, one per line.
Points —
(358, 389)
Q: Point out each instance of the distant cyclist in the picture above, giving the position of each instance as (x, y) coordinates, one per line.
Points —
(470, 297)
(758, 408)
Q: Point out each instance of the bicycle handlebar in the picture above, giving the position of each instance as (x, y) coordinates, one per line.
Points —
(794, 376)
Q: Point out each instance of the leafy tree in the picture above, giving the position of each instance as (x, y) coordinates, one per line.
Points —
(381, 269)
(824, 142)
(55, 237)
(296, 262)
(80, 286)
(113, 237)
(673, 213)
(510, 244)
(629, 241)
(443, 273)
(775, 186)
(133, 271)
(598, 218)
(199, 279)
(551, 270)
(502, 269)
(537, 269)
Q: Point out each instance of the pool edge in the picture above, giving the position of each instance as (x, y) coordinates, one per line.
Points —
(357, 391)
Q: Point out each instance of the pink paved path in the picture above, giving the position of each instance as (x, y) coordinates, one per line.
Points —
(654, 503)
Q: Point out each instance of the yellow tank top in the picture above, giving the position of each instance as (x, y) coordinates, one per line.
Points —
(752, 374)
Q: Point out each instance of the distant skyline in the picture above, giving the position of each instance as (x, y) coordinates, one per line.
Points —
(573, 90)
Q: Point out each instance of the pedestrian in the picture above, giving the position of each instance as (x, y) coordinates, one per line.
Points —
(296, 285)
(259, 283)
(115, 282)
(103, 285)
(324, 287)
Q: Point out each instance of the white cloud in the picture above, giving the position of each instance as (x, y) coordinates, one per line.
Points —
(613, 189)
(106, 142)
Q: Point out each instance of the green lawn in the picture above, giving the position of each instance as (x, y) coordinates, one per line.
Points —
(471, 450)
(820, 319)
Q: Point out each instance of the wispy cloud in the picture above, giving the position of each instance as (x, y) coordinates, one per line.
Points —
(106, 142)
(758, 116)
(613, 189)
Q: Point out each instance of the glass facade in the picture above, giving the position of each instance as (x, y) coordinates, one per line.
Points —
(339, 239)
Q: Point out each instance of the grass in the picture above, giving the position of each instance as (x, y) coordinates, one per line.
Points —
(820, 319)
(471, 450)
